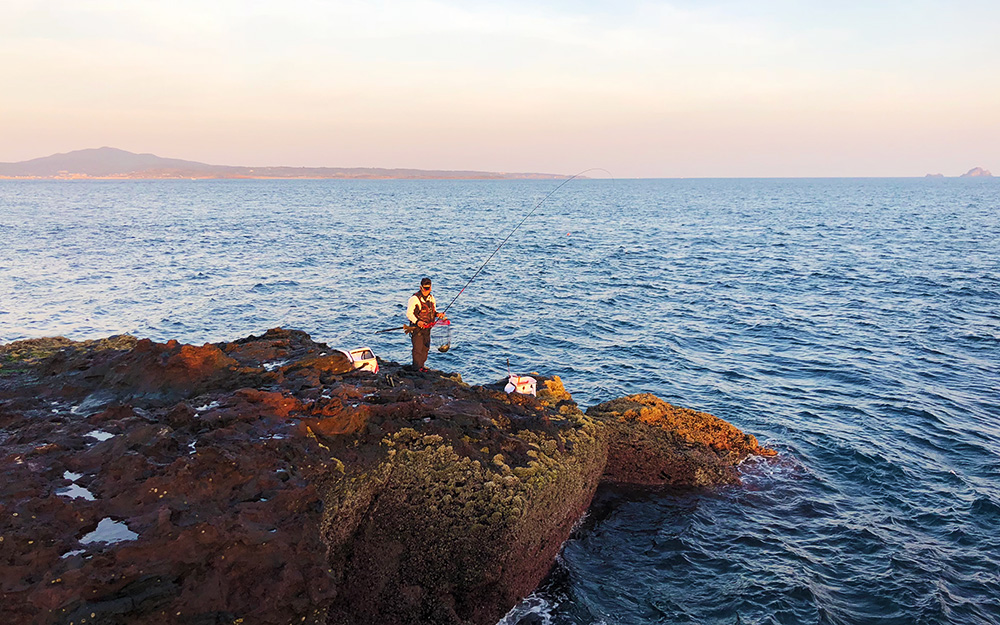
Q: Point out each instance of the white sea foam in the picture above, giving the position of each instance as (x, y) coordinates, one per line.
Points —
(532, 604)
(760, 471)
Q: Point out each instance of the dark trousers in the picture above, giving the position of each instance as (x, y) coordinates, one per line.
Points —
(421, 345)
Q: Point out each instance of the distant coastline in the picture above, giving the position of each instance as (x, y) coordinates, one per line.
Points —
(109, 163)
(113, 164)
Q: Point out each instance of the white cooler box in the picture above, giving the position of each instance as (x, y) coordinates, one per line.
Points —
(524, 384)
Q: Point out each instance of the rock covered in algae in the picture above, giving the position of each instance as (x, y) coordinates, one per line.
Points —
(261, 481)
(455, 514)
(440, 537)
(652, 442)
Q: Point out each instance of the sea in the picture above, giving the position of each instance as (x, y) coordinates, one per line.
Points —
(851, 324)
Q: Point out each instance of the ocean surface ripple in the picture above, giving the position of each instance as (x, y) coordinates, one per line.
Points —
(854, 325)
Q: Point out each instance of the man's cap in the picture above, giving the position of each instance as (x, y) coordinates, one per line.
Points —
(425, 281)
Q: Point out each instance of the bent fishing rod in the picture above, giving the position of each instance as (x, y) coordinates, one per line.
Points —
(507, 238)
(504, 242)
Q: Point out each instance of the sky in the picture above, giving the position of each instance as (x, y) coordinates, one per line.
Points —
(770, 88)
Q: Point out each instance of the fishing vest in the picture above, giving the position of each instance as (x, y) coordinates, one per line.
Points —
(426, 311)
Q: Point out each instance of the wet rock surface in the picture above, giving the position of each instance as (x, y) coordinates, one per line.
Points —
(264, 481)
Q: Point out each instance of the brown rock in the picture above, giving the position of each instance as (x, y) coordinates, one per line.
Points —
(335, 363)
(264, 482)
(467, 536)
(652, 442)
(274, 346)
(169, 371)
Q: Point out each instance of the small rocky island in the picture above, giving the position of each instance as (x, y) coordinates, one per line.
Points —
(263, 481)
(977, 172)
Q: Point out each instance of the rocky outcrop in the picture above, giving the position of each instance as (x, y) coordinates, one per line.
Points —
(265, 481)
(977, 172)
(651, 442)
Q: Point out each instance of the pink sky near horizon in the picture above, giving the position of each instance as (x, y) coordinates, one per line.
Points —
(642, 89)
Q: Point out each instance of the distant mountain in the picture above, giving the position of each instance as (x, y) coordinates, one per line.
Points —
(977, 172)
(99, 162)
(933, 175)
(119, 164)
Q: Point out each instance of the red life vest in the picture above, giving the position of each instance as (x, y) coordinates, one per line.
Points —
(426, 311)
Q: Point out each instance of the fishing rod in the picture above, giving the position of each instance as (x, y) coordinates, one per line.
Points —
(414, 326)
(502, 243)
(394, 329)
(410, 329)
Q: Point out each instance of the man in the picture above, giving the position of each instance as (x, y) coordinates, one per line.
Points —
(421, 311)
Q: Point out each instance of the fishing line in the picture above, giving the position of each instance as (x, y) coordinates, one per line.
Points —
(502, 243)
(446, 345)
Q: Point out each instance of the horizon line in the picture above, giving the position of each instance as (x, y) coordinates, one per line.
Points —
(549, 177)
(150, 166)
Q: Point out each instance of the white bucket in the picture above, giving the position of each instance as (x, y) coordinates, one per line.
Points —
(524, 384)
